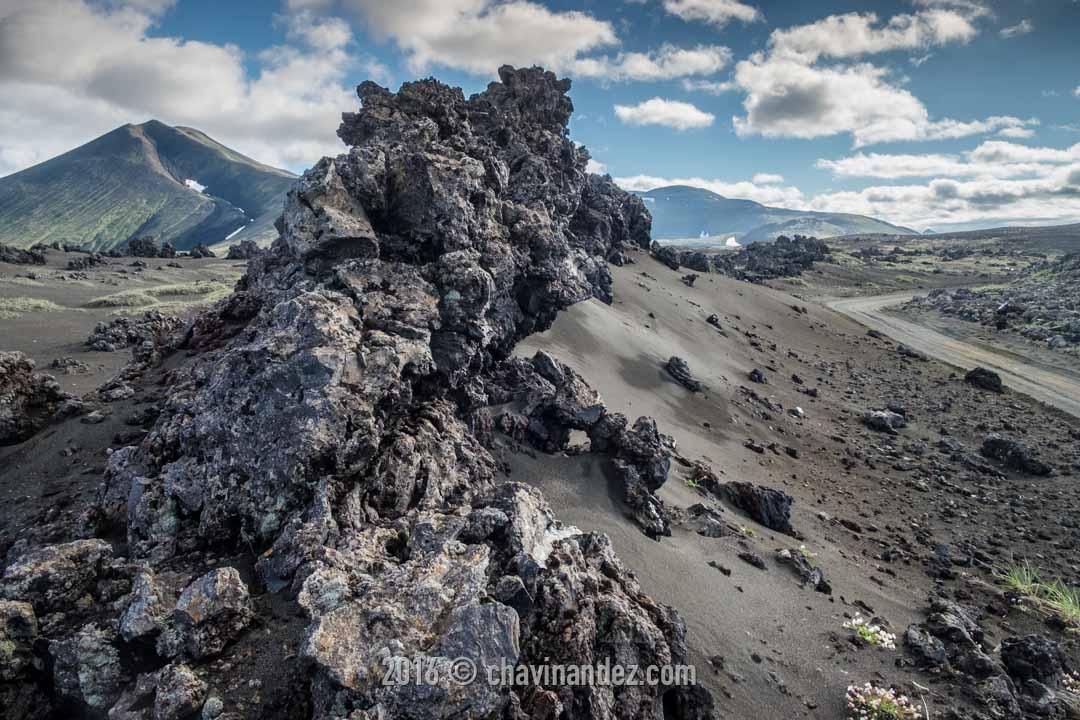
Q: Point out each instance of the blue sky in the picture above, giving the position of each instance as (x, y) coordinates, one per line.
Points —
(929, 113)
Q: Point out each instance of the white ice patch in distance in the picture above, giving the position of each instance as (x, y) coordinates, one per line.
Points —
(195, 185)
(230, 235)
(732, 242)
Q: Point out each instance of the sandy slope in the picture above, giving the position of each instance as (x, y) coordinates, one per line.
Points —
(620, 349)
(785, 652)
(1041, 383)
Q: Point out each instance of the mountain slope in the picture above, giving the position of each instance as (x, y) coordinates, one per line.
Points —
(681, 212)
(175, 184)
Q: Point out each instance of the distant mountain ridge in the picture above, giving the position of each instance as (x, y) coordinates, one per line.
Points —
(684, 213)
(175, 184)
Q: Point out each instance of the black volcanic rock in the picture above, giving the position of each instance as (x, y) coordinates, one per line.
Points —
(1014, 455)
(1032, 658)
(984, 379)
(18, 256)
(28, 399)
(243, 250)
(668, 255)
(787, 257)
(143, 247)
(1040, 304)
(678, 369)
(339, 434)
(766, 506)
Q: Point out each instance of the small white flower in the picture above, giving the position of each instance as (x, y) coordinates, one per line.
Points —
(873, 634)
(873, 703)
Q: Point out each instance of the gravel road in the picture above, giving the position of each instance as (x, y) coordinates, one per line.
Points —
(1043, 384)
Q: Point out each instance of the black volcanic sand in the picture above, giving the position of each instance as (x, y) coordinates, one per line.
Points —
(46, 335)
(785, 653)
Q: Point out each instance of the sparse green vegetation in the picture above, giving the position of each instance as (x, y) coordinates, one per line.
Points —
(15, 307)
(1019, 576)
(1056, 596)
(25, 281)
(200, 291)
(871, 634)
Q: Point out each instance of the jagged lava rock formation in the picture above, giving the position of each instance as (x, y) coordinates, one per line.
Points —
(333, 423)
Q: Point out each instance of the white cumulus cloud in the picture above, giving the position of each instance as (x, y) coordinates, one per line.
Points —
(992, 158)
(666, 63)
(71, 70)
(669, 113)
(1016, 133)
(857, 34)
(767, 194)
(791, 91)
(480, 35)
(1053, 198)
(714, 12)
(997, 182)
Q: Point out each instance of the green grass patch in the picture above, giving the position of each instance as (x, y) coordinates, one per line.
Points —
(188, 293)
(25, 281)
(15, 307)
(1055, 596)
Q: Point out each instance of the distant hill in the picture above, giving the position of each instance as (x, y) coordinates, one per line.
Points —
(1052, 239)
(175, 184)
(683, 213)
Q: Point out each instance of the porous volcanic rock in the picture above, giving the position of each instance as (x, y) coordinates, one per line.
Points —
(153, 327)
(18, 256)
(18, 631)
(760, 261)
(337, 431)
(211, 612)
(1014, 454)
(28, 399)
(55, 576)
(243, 250)
(885, 421)
(552, 400)
(1041, 304)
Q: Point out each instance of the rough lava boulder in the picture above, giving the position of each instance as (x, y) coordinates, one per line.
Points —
(332, 422)
(28, 399)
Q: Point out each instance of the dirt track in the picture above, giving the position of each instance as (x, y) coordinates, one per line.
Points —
(1040, 383)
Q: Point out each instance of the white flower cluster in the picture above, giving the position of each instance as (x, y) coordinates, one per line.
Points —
(1071, 682)
(874, 703)
(872, 634)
